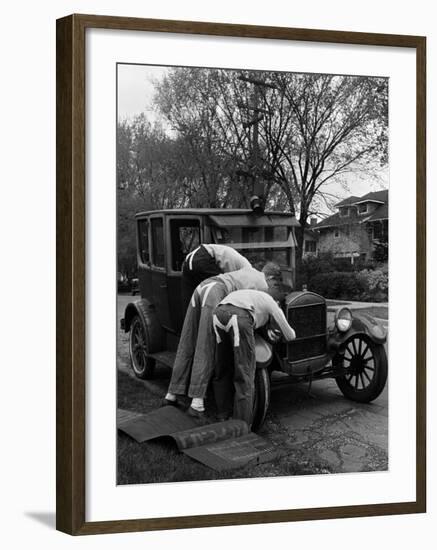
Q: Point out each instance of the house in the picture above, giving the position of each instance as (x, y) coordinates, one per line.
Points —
(359, 228)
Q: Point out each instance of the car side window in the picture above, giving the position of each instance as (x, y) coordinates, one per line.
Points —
(158, 256)
(185, 237)
(143, 238)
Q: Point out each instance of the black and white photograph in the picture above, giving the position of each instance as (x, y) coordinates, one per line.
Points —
(252, 273)
(217, 272)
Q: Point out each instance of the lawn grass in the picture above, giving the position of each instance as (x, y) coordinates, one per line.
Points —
(160, 461)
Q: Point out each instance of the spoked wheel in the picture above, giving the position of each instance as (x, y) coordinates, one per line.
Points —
(142, 365)
(261, 399)
(366, 366)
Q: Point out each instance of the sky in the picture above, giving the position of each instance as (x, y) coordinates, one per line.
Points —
(135, 89)
(135, 94)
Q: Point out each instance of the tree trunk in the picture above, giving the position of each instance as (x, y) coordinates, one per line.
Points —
(300, 233)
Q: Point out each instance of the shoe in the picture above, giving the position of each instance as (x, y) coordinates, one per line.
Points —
(223, 417)
(198, 415)
(168, 402)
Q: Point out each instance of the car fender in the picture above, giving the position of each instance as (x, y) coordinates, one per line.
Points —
(152, 327)
(362, 323)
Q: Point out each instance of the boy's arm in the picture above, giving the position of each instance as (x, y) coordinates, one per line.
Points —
(244, 262)
(278, 315)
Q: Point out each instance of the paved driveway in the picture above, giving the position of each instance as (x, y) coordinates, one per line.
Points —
(314, 424)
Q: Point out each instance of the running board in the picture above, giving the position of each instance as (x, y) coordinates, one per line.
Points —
(165, 357)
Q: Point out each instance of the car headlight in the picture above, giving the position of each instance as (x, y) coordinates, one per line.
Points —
(343, 319)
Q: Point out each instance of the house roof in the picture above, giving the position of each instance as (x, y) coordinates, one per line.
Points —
(335, 221)
(374, 196)
(346, 202)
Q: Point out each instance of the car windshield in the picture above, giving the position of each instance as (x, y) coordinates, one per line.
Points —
(259, 256)
(259, 244)
(251, 235)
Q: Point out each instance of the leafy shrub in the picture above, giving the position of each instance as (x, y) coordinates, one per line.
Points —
(376, 283)
(365, 285)
(344, 264)
(312, 266)
(327, 263)
(380, 252)
(338, 284)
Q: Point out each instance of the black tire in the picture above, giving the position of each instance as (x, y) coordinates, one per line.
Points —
(261, 399)
(367, 362)
(142, 365)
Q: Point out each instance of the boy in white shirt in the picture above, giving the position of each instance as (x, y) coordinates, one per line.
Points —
(235, 319)
(208, 260)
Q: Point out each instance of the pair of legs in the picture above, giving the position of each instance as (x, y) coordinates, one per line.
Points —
(198, 266)
(195, 357)
(234, 329)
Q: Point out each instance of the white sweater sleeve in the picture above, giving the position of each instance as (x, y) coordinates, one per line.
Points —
(278, 315)
(240, 260)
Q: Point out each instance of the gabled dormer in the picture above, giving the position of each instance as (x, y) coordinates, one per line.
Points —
(367, 204)
(346, 208)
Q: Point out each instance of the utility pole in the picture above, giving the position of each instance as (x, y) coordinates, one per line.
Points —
(255, 168)
(255, 143)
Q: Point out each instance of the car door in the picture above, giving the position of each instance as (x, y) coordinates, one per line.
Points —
(143, 259)
(185, 235)
(158, 270)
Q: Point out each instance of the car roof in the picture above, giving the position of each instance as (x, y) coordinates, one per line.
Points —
(208, 212)
(223, 217)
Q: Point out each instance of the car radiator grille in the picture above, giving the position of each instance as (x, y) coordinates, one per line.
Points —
(309, 323)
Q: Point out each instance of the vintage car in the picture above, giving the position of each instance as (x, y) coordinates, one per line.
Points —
(351, 349)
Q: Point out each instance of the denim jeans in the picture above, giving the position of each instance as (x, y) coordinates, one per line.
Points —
(234, 373)
(195, 357)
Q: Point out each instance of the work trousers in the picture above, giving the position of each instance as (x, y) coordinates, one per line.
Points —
(234, 329)
(198, 266)
(195, 357)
